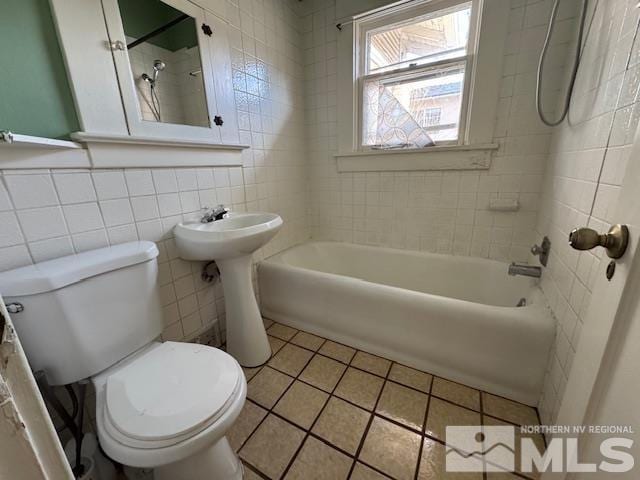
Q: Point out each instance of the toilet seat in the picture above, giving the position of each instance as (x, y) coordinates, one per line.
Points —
(168, 394)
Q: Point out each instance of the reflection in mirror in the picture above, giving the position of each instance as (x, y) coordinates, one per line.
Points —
(162, 43)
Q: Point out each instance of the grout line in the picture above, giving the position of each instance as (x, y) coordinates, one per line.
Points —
(371, 418)
(372, 413)
(424, 428)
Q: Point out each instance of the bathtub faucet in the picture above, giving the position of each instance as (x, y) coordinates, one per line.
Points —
(526, 270)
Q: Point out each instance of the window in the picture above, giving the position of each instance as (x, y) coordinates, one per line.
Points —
(413, 74)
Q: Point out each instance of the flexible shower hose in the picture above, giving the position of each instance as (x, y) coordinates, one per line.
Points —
(574, 71)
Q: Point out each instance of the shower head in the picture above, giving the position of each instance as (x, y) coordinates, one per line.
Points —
(158, 66)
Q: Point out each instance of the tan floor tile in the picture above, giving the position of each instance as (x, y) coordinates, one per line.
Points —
(272, 446)
(283, 332)
(342, 424)
(508, 410)
(403, 405)
(362, 472)
(276, 344)
(301, 404)
(537, 439)
(502, 476)
(323, 373)
(457, 393)
(443, 413)
(318, 461)
(338, 351)
(307, 340)
(433, 464)
(371, 363)
(250, 474)
(249, 418)
(391, 449)
(267, 323)
(290, 359)
(267, 386)
(250, 372)
(360, 388)
(410, 377)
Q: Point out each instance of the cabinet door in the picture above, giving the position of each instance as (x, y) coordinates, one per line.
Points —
(223, 79)
(164, 67)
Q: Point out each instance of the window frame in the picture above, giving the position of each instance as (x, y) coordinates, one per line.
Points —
(476, 152)
(396, 16)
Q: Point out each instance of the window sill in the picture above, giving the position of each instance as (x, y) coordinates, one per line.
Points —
(446, 157)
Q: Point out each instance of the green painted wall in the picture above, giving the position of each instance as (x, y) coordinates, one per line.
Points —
(35, 98)
(140, 17)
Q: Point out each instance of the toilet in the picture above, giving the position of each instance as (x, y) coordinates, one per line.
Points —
(97, 315)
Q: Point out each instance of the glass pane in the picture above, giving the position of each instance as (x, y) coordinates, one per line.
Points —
(162, 44)
(437, 36)
(413, 111)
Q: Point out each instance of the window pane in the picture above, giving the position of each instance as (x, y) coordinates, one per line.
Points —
(437, 36)
(413, 111)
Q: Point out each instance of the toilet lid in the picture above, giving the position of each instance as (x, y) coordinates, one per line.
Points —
(170, 390)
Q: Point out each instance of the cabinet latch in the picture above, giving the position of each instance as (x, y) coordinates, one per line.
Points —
(207, 30)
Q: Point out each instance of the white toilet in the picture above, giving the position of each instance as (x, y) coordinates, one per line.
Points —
(97, 315)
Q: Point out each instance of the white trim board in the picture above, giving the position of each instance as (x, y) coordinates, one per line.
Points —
(145, 155)
(466, 157)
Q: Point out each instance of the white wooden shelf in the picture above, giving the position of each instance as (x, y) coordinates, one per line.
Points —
(16, 140)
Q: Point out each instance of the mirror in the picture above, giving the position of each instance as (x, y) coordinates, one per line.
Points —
(162, 43)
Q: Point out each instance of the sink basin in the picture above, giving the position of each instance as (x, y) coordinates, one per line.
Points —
(240, 234)
(230, 242)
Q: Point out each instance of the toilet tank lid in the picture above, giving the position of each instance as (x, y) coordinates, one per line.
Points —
(60, 272)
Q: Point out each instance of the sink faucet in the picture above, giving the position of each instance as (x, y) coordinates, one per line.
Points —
(526, 270)
(213, 214)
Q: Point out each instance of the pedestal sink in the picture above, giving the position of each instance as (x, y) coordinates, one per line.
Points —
(230, 242)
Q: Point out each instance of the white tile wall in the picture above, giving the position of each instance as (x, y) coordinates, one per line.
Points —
(444, 212)
(588, 156)
(47, 214)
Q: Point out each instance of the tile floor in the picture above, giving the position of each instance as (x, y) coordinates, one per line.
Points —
(326, 411)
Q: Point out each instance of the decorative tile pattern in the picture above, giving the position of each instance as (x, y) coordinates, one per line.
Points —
(334, 420)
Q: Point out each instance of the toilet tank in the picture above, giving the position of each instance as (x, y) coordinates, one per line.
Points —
(85, 312)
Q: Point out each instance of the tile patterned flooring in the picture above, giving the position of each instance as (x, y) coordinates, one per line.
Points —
(326, 411)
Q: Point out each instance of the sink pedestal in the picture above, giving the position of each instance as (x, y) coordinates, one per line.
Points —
(246, 337)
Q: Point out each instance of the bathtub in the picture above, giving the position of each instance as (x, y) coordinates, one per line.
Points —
(452, 316)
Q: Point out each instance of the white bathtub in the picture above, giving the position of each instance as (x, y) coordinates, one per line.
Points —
(452, 316)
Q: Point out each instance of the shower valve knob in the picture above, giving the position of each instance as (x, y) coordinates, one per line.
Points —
(615, 240)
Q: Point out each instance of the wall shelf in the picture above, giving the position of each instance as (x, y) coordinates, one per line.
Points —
(16, 140)
(25, 151)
